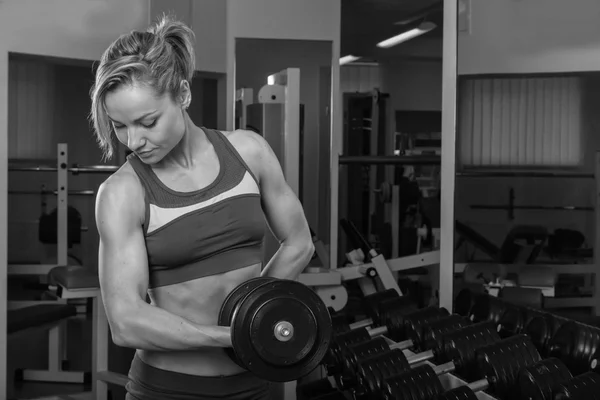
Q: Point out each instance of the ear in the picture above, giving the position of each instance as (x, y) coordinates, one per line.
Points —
(185, 94)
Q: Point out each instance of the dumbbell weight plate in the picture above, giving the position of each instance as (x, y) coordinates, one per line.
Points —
(281, 330)
(231, 302)
(575, 344)
(537, 381)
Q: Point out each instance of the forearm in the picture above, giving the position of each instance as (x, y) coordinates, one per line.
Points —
(289, 261)
(147, 327)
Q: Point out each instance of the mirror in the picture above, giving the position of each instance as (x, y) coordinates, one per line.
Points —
(263, 62)
(391, 84)
(527, 151)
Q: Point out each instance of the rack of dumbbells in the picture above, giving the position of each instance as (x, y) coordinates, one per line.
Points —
(486, 349)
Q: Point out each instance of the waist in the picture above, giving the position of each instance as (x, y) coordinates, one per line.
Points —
(171, 373)
(219, 263)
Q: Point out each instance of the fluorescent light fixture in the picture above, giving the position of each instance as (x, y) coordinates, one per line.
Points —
(403, 37)
(348, 59)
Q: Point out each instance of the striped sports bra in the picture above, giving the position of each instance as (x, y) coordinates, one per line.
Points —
(213, 230)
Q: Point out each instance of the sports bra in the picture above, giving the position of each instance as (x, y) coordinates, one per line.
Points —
(213, 230)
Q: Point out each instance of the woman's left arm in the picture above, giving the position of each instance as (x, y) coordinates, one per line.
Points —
(285, 217)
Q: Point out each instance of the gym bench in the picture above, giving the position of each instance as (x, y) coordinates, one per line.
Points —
(70, 283)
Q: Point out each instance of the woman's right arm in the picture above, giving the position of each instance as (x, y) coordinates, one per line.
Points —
(123, 272)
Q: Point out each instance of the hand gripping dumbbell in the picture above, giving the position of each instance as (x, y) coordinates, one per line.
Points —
(498, 363)
(394, 328)
(534, 382)
(372, 372)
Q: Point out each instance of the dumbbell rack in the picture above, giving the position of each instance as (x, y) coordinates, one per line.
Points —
(448, 380)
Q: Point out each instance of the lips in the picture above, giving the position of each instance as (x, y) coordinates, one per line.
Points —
(145, 153)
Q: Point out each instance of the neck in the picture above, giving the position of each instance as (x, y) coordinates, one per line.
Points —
(185, 154)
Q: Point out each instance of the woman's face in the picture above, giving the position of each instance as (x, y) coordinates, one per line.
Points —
(148, 125)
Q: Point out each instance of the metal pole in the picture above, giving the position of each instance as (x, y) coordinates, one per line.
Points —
(391, 160)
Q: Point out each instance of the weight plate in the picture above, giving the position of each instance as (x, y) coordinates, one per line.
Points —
(538, 380)
(231, 302)
(232, 299)
(281, 330)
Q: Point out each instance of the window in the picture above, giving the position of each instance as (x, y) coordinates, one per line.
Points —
(519, 122)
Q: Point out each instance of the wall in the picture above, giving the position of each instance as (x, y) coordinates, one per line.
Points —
(537, 191)
(413, 85)
(531, 36)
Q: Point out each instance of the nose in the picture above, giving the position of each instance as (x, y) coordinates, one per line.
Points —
(135, 140)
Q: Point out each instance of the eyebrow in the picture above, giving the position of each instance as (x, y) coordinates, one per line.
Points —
(138, 120)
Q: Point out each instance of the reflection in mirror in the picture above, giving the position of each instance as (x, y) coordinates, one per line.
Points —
(283, 92)
(527, 153)
(389, 167)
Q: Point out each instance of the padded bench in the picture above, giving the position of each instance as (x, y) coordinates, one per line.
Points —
(37, 316)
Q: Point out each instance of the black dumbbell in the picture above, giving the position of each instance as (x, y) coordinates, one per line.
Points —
(537, 382)
(435, 330)
(352, 355)
(534, 382)
(371, 372)
(498, 363)
(512, 322)
(585, 386)
(540, 327)
(576, 345)
(395, 327)
(380, 311)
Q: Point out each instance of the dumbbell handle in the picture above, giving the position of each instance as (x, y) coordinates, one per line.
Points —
(361, 324)
(420, 357)
(479, 385)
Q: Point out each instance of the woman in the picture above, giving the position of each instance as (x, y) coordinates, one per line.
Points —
(182, 221)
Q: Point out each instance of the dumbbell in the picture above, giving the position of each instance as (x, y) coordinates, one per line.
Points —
(540, 327)
(352, 355)
(371, 372)
(499, 364)
(576, 344)
(585, 386)
(379, 312)
(534, 382)
(280, 328)
(394, 328)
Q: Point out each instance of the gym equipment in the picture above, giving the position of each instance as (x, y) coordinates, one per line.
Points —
(540, 328)
(535, 382)
(459, 355)
(497, 370)
(584, 386)
(538, 380)
(280, 329)
(576, 345)
(342, 357)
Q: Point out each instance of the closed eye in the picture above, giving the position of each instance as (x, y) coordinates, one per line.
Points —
(150, 125)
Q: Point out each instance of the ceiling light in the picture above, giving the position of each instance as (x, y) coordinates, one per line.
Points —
(348, 59)
(403, 37)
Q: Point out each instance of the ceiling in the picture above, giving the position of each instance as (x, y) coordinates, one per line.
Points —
(367, 22)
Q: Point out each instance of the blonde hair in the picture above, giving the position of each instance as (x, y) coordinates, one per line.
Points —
(159, 58)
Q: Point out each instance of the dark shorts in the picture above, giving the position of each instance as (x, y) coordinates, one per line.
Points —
(150, 383)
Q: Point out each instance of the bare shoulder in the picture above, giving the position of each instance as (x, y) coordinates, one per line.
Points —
(119, 195)
(252, 147)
